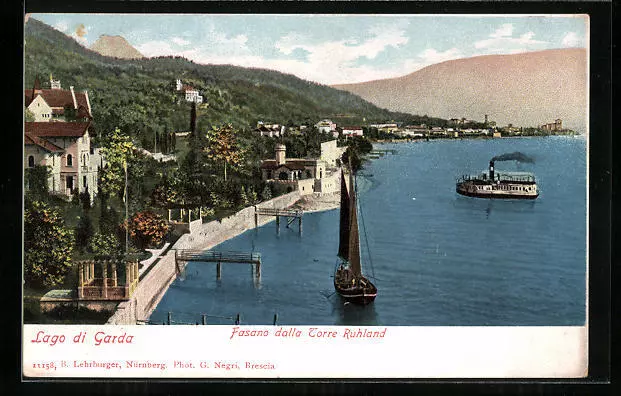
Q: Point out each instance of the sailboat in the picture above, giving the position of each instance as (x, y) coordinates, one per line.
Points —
(349, 282)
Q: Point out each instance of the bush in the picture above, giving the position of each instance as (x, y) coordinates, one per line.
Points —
(104, 245)
(147, 229)
(48, 246)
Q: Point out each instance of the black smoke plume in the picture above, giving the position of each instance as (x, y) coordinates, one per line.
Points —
(517, 156)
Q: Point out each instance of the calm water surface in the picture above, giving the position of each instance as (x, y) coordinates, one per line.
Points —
(439, 258)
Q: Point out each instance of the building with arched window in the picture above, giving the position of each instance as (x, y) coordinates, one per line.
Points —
(307, 175)
(65, 148)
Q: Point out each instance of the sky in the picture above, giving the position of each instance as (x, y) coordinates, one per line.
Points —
(328, 49)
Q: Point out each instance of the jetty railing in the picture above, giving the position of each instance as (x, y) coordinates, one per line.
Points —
(219, 257)
(205, 319)
(290, 214)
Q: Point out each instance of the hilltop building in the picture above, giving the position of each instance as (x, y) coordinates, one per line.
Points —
(190, 93)
(57, 104)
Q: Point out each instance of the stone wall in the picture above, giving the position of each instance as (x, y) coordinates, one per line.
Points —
(329, 185)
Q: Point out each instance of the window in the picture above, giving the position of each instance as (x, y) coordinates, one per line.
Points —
(31, 163)
(84, 182)
(69, 181)
(283, 176)
(69, 160)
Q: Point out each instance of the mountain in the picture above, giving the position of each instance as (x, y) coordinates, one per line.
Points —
(138, 95)
(526, 89)
(115, 46)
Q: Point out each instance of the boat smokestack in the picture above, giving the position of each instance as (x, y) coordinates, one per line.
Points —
(491, 170)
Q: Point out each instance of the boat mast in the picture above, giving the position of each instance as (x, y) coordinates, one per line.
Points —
(354, 237)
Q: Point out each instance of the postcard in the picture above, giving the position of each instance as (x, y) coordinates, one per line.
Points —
(306, 195)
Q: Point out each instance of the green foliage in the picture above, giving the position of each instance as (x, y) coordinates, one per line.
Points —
(28, 115)
(119, 152)
(266, 194)
(83, 232)
(222, 147)
(36, 181)
(85, 200)
(48, 246)
(104, 245)
(137, 95)
(357, 146)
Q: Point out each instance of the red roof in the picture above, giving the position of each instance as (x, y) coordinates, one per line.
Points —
(60, 129)
(57, 97)
(351, 128)
(36, 141)
(186, 88)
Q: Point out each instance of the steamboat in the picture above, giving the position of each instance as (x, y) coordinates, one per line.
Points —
(491, 184)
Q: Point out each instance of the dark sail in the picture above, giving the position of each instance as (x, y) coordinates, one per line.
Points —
(344, 222)
(354, 238)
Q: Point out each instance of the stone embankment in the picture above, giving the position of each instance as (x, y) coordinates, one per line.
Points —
(155, 282)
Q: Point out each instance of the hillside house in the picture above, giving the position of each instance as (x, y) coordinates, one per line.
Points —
(57, 104)
(272, 131)
(352, 131)
(64, 147)
(190, 93)
(325, 126)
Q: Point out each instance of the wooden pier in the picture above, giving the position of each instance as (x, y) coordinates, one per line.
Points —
(220, 257)
(291, 215)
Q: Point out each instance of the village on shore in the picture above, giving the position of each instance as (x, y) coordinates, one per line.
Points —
(97, 263)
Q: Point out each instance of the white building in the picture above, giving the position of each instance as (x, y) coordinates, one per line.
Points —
(325, 126)
(190, 93)
(352, 131)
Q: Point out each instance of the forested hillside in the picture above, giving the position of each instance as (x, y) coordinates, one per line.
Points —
(137, 95)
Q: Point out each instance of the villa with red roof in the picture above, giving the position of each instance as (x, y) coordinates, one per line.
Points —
(64, 147)
(191, 94)
(51, 104)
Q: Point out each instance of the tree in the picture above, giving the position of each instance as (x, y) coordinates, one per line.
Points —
(83, 232)
(48, 246)
(147, 229)
(222, 147)
(266, 195)
(28, 115)
(36, 180)
(118, 150)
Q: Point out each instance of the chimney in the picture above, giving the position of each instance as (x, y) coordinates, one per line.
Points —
(88, 103)
(75, 102)
(281, 156)
(491, 170)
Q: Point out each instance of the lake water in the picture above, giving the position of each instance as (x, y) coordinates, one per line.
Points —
(439, 258)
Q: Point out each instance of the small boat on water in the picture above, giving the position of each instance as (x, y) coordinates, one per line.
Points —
(349, 282)
(491, 184)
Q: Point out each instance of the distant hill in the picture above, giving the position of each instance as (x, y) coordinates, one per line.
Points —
(137, 95)
(527, 89)
(115, 46)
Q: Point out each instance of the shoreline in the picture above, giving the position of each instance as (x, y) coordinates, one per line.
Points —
(318, 203)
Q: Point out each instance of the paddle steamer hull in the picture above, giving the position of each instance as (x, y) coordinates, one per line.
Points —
(470, 191)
